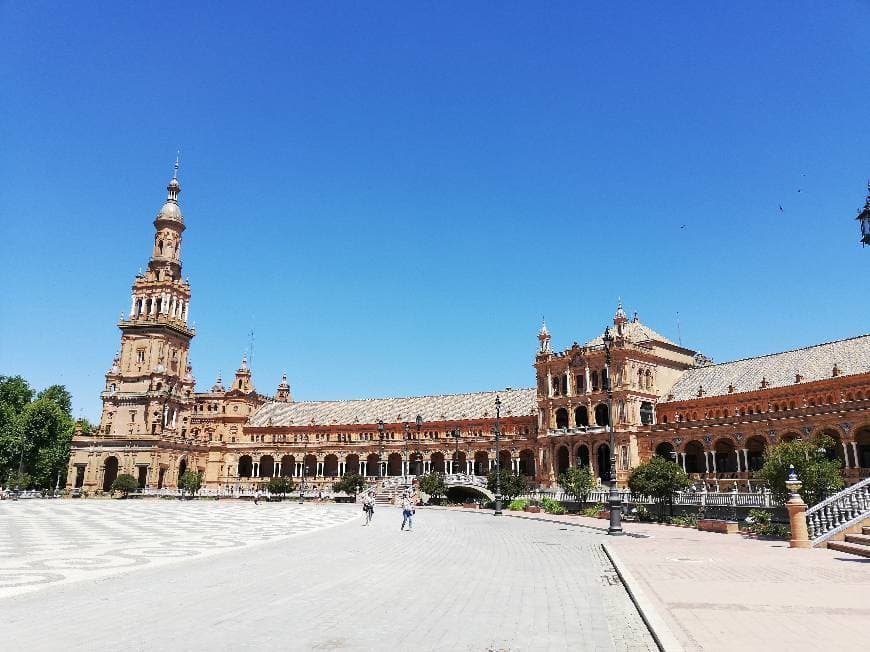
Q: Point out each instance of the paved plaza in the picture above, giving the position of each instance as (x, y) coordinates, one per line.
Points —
(159, 574)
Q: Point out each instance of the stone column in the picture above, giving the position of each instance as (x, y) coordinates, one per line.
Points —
(569, 390)
(713, 457)
(683, 455)
(855, 454)
(133, 307)
(588, 380)
(737, 455)
(706, 463)
(846, 455)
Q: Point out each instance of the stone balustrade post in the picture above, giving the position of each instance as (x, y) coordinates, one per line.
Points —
(797, 513)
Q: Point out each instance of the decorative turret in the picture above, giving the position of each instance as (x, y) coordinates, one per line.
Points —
(620, 320)
(242, 381)
(283, 394)
(218, 387)
(544, 339)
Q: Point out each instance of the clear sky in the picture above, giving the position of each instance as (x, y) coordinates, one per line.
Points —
(392, 194)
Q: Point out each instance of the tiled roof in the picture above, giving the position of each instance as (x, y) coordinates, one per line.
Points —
(636, 332)
(851, 356)
(450, 407)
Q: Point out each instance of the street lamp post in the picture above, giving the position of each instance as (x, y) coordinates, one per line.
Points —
(381, 439)
(406, 435)
(302, 484)
(20, 466)
(614, 499)
(497, 511)
(864, 220)
(456, 434)
(418, 455)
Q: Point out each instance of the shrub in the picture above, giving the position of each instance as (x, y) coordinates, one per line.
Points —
(759, 522)
(660, 479)
(593, 510)
(191, 481)
(512, 485)
(518, 505)
(820, 476)
(125, 483)
(280, 486)
(689, 520)
(350, 483)
(642, 514)
(552, 506)
(433, 484)
(577, 482)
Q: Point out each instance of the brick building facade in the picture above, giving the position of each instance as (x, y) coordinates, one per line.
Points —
(714, 420)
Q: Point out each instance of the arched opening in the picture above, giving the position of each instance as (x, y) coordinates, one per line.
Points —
(726, 456)
(694, 452)
(603, 462)
(288, 466)
(561, 418)
(582, 455)
(594, 381)
(789, 436)
(436, 463)
(394, 464)
(309, 466)
(862, 441)
(581, 416)
(527, 463)
(372, 461)
(351, 464)
(481, 463)
(267, 466)
(601, 415)
(246, 466)
(504, 460)
(647, 413)
(835, 452)
(562, 459)
(182, 467)
(460, 464)
(160, 247)
(110, 472)
(556, 387)
(755, 452)
(666, 450)
(330, 466)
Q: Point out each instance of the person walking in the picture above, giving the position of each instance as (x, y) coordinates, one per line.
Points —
(257, 497)
(407, 512)
(368, 508)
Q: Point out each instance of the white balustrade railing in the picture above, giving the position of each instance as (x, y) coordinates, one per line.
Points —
(840, 511)
(699, 498)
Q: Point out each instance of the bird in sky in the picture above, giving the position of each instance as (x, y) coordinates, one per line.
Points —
(780, 207)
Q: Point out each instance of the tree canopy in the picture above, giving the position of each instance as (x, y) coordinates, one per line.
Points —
(813, 463)
(659, 478)
(35, 430)
(125, 483)
(512, 485)
(578, 482)
(350, 483)
(433, 484)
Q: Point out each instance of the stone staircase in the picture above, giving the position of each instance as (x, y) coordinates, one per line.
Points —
(855, 544)
(842, 522)
(388, 491)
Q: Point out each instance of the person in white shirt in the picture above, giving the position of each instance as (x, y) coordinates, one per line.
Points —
(407, 512)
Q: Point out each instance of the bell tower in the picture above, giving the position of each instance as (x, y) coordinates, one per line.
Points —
(150, 384)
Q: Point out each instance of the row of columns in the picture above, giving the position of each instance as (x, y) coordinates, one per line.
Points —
(169, 305)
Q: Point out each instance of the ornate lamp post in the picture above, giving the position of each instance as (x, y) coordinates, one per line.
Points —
(497, 511)
(418, 455)
(302, 484)
(406, 435)
(614, 499)
(864, 220)
(381, 439)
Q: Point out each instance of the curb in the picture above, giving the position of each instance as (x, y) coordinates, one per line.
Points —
(661, 633)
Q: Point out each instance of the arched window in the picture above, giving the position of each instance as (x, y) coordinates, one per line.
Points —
(556, 382)
(647, 413)
(648, 379)
(581, 416)
(594, 381)
(561, 418)
(601, 415)
(160, 247)
(604, 379)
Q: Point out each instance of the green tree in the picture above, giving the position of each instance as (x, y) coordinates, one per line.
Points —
(281, 486)
(13, 479)
(433, 484)
(578, 481)
(350, 483)
(125, 483)
(812, 462)
(512, 485)
(47, 432)
(191, 481)
(58, 395)
(15, 392)
(660, 479)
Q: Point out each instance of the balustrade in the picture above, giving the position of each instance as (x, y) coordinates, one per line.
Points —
(838, 512)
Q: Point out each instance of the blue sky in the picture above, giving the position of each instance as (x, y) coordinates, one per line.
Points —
(392, 194)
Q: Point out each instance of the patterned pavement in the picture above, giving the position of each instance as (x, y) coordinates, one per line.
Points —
(46, 542)
(156, 575)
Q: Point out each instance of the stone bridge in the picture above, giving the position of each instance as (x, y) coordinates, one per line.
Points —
(476, 483)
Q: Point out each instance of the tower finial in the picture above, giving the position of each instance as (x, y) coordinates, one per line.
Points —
(177, 161)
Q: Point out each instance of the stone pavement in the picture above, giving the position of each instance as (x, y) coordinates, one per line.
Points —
(228, 575)
(727, 592)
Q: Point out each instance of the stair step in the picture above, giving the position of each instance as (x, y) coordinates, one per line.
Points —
(865, 529)
(862, 539)
(851, 548)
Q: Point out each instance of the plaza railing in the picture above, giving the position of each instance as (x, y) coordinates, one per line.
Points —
(839, 512)
(760, 499)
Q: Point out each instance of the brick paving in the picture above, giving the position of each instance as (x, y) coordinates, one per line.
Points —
(727, 592)
(228, 575)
